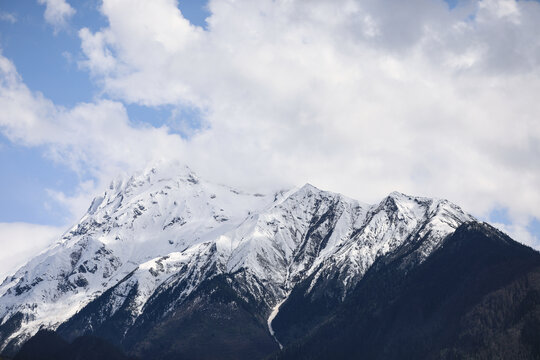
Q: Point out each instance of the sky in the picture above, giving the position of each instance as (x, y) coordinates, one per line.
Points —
(363, 97)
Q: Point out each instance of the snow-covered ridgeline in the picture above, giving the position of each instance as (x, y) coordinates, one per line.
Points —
(167, 224)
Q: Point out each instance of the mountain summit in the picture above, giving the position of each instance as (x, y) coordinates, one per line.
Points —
(165, 263)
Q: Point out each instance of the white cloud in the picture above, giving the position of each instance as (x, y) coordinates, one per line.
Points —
(21, 241)
(8, 17)
(95, 139)
(57, 12)
(360, 97)
(500, 9)
(100, 60)
(387, 94)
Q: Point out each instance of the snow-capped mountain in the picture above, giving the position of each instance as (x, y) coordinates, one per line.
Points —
(149, 246)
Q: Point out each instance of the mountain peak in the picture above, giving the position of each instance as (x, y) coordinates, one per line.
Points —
(398, 195)
(166, 228)
(309, 187)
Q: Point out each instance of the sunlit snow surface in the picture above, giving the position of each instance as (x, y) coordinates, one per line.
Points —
(166, 225)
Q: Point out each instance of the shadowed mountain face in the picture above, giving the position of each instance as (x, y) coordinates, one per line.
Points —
(213, 322)
(166, 265)
(478, 296)
(47, 345)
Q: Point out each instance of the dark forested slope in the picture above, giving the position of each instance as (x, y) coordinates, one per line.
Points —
(477, 297)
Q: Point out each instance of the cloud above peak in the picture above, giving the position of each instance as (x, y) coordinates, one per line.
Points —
(414, 96)
(96, 140)
(360, 97)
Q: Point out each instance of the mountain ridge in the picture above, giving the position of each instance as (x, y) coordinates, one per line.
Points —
(475, 297)
(167, 231)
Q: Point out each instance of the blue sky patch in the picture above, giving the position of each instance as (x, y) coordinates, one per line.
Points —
(195, 11)
(24, 191)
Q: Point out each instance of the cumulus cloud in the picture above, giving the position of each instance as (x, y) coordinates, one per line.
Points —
(357, 96)
(22, 241)
(57, 12)
(96, 140)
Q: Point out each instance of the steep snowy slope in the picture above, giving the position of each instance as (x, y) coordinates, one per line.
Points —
(400, 225)
(166, 231)
(131, 226)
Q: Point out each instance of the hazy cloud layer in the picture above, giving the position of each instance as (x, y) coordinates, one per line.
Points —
(360, 97)
(8, 17)
(22, 241)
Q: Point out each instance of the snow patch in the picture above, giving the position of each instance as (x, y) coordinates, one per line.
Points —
(273, 314)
